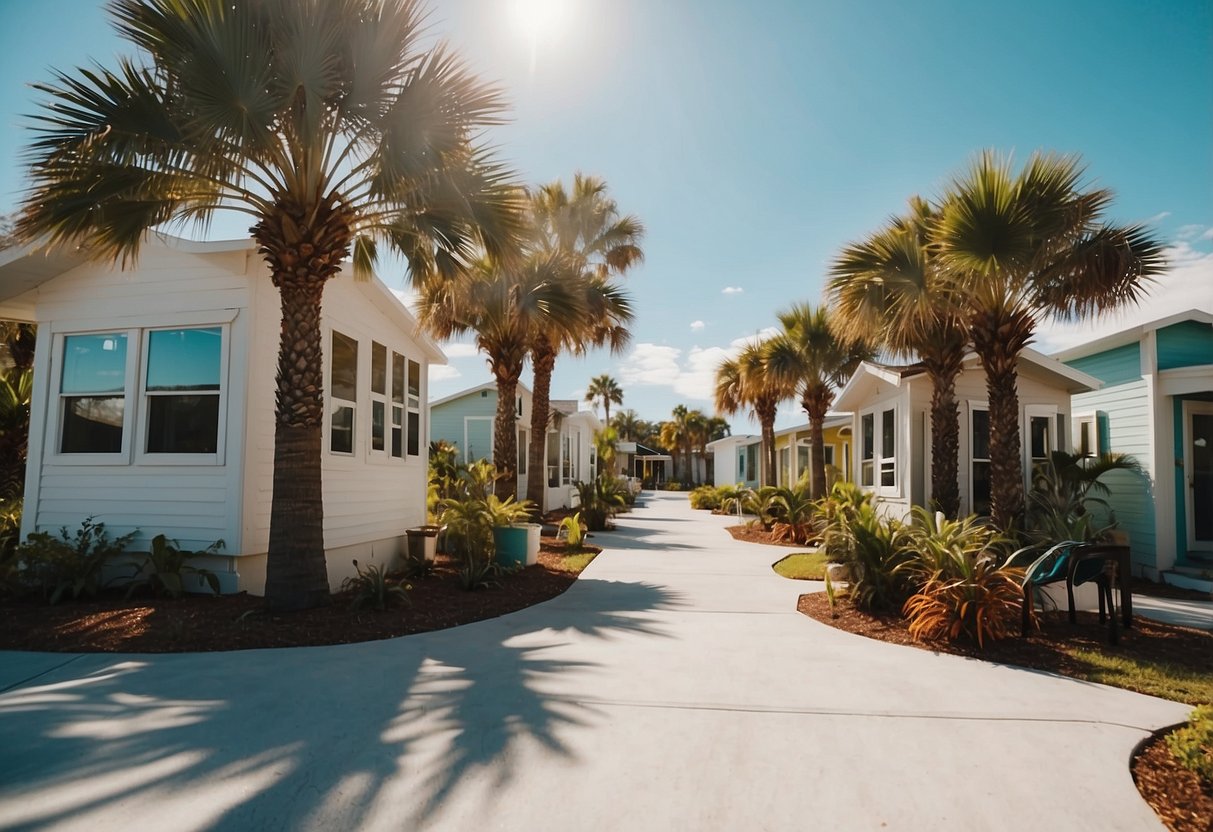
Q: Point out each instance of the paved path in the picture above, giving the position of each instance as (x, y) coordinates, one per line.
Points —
(673, 687)
(1180, 611)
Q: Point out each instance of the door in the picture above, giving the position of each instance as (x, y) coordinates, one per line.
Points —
(1198, 467)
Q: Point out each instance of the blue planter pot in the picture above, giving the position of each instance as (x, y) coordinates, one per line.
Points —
(511, 542)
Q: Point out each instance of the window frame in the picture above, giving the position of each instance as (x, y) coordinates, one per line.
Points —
(1049, 413)
(54, 426)
(142, 455)
(1077, 421)
(384, 399)
(973, 407)
(878, 461)
(332, 402)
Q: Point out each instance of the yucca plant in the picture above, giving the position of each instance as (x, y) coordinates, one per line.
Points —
(796, 521)
(600, 499)
(834, 514)
(373, 586)
(877, 550)
(983, 603)
(573, 533)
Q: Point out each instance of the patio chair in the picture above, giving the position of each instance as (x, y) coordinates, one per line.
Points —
(1076, 563)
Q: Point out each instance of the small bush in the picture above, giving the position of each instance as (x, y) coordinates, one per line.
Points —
(166, 566)
(834, 514)
(600, 500)
(877, 549)
(706, 497)
(1192, 744)
(373, 586)
(56, 567)
(573, 533)
(673, 485)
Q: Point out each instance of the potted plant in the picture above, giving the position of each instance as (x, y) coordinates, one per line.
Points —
(511, 532)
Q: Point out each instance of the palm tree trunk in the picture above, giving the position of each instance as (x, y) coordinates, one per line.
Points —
(816, 401)
(296, 574)
(998, 339)
(543, 362)
(505, 434)
(943, 369)
(766, 411)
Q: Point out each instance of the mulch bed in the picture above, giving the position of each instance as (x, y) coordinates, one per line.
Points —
(757, 534)
(1181, 799)
(240, 622)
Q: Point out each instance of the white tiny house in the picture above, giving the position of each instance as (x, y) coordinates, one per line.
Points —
(153, 404)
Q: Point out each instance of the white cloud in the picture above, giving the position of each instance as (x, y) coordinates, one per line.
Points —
(697, 325)
(1187, 284)
(732, 290)
(443, 372)
(408, 297)
(457, 350)
(1190, 232)
(692, 375)
(1208, 235)
(1159, 217)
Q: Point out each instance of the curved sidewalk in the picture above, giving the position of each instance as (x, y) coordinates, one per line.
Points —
(673, 687)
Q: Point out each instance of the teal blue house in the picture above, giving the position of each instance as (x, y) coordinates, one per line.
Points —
(1156, 403)
(465, 420)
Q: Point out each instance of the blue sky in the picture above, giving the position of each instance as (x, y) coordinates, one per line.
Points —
(754, 139)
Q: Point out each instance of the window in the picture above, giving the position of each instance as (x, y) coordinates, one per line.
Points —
(785, 466)
(398, 366)
(92, 394)
(827, 453)
(867, 432)
(1086, 435)
(741, 464)
(888, 450)
(181, 388)
(979, 445)
(751, 453)
(414, 409)
(566, 460)
(379, 397)
(523, 452)
(343, 393)
(553, 460)
(1040, 444)
(802, 460)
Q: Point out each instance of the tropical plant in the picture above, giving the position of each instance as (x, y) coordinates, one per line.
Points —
(835, 512)
(706, 497)
(1017, 248)
(831, 596)
(887, 291)
(1063, 505)
(629, 425)
(504, 305)
(373, 586)
(167, 565)
(596, 243)
(606, 390)
(876, 550)
(600, 499)
(605, 442)
(574, 536)
(983, 604)
(508, 511)
(259, 107)
(809, 357)
(735, 498)
(750, 382)
(69, 564)
(16, 388)
(797, 518)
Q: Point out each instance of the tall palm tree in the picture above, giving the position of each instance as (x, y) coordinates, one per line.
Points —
(748, 381)
(887, 290)
(672, 436)
(628, 424)
(1017, 248)
(586, 228)
(331, 126)
(604, 389)
(809, 357)
(503, 306)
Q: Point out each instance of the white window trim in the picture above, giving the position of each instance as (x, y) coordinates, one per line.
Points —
(411, 407)
(972, 405)
(1076, 423)
(861, 459)
(54, 425)
(142, 457)
(331, 402)
(1050, 412)
(384, 398)
(900, 451)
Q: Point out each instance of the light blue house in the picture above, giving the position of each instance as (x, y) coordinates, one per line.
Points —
(465, 420)
(1156, 403)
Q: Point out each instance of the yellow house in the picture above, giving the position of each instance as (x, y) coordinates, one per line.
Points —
(792, 450)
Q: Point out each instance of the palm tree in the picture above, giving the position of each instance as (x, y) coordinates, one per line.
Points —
(587, 229)
(748, 381)
(887, 291)
(628, 424)
(1019, 248)
(604, 389)
(808, 356)
(331, 127)
(672, 436)
(503, 307)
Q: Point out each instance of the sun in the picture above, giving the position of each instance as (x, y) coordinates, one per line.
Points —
(540, 20)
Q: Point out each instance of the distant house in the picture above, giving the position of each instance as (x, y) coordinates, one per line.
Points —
(792, 451)
(737, 459)
(891, 426)
(465, 420)
(1155, 403)
(153, 404)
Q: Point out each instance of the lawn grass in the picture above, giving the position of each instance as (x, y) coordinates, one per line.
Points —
(805, 566)
(1151, 678)
(575, 562)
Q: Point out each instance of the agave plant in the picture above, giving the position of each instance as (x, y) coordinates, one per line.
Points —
(798, 515)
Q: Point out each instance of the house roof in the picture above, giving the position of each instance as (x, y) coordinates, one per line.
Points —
(25, 268)
(832, 420)
(1132, 334)
(735, 439)
(488, 385)
(1031, 364)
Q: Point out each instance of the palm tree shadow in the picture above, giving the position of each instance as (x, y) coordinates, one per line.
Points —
(304, 737)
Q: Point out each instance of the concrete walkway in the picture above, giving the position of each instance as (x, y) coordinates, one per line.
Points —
(674, 687)
(1178, 611)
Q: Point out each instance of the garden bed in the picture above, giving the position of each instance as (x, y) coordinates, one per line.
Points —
(757, 534)
(240, 622)
(1152, 658)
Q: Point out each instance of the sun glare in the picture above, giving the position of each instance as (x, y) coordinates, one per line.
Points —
(540, 20)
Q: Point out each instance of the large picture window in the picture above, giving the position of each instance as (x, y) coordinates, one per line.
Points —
(181, 388)
(92, 391)
(343, 393)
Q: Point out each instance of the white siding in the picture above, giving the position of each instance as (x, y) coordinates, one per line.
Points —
(195, 504)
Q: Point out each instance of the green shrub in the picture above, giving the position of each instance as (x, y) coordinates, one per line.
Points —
(1192, 744)
(673, 485)
(56, 567)
(834, 513)
(1066, 499)
(166, 565)
(706, 497)
(573, 533)
(10, 536)
(375, 587)
(877, 548)
(600, 500)
(796, 513)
